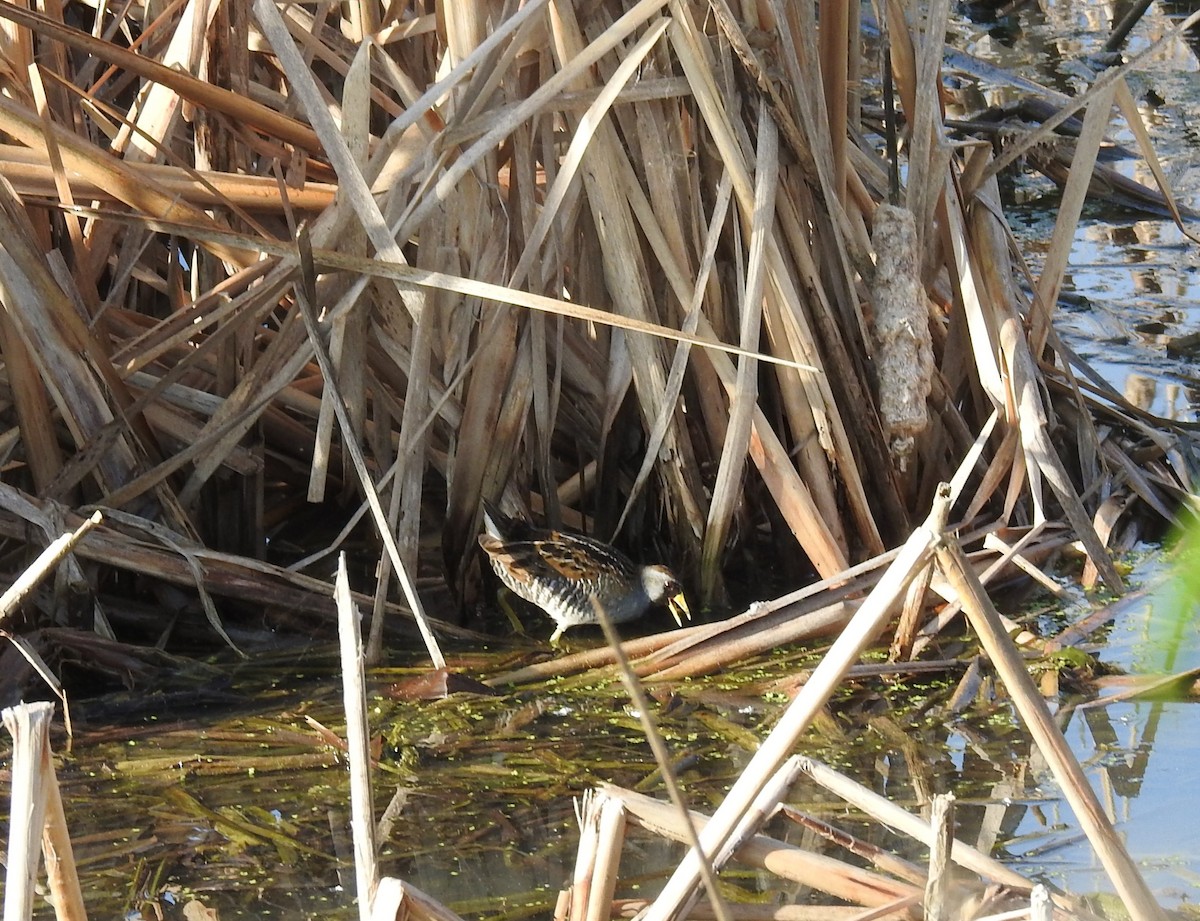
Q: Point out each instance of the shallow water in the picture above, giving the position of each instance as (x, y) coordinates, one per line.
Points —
(244, 809)
(1138, 283)
(1136, 277)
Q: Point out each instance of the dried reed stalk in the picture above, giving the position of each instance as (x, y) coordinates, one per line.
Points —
(602, 836)
(823, 873)
(37, 816)
(893, 816)
(679, 891)
(539, 234)
(1122, 870)
(358, 745)
(937, 905)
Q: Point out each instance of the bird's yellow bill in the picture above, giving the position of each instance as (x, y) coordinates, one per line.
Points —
(679, 609)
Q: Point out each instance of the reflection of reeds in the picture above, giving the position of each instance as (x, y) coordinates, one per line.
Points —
(626, 172)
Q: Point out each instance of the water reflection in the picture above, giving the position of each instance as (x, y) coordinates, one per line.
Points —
(1135, 280)
(1181, 9)
(1140, 391)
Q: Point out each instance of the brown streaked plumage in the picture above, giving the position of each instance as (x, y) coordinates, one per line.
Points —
(562, 572)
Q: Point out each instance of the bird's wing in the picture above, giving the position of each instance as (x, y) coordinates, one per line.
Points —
(527, 561)
(567, 559)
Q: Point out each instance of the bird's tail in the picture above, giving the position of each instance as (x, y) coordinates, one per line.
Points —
(494, 521)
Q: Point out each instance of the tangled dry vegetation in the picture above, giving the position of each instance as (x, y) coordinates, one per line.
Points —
(631, 266)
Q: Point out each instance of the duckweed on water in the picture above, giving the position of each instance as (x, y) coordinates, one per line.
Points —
(485, 784)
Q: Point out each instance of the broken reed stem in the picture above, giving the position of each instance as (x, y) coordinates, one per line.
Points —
(17, 592)
(888, 813)
(398, 899)
(937, 886)
(354, 701)
(28, 724)
(39, 568)
(611, 839)
(842, 880)
(883, 860)
(36, 816)
(572, 904)
(1041, 906)
(1126, 878)
(679, 893)
(602, 835)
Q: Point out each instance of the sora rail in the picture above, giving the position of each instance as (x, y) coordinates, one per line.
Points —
(562, 572)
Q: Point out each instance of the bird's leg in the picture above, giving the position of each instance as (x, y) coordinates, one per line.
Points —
(557, 635)
(505, 605)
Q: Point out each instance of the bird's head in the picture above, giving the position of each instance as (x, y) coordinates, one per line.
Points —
(662, 587)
